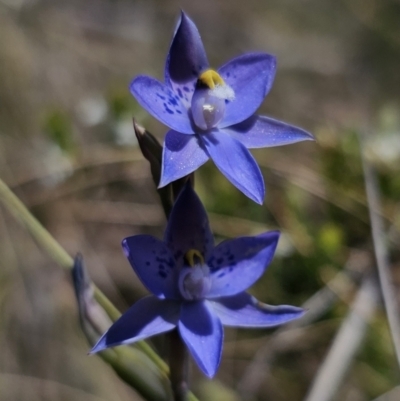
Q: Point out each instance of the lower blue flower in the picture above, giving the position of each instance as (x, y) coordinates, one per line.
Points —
(196, 286)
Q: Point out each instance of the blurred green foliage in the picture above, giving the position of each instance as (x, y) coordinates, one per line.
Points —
(58, 128)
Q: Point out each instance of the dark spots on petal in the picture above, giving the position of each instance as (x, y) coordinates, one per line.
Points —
(164, 263)
(147, 263)
(231, 269)
(162, 274)
(186, 89)
(173, 101)
(228, 74)
(167, 109)
(220, 261)
(178, 111)
(169, 262)
(230, 258)
(160, 96)
(222, 274)
(180, 93)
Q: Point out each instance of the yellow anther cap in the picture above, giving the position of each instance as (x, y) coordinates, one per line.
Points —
(194, 257)
(211, 78)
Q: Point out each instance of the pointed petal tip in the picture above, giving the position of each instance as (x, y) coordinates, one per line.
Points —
(275, 234)
(183, 14)
(304, 135)
(125, 247)
(132, 84)
(210, 374)
(184, 18)
(258, 196)
(100, 346)
(309, 137)
(260, 200)
(163, 182)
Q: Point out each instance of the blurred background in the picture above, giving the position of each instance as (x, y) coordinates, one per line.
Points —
(68, 150)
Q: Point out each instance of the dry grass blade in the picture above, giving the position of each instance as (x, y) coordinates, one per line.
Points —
(381, 252)
(255, 374)
(345, 345)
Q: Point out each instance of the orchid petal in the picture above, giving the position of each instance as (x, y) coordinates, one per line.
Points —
(186, 59)
(202, 332)
(243, 310)
(250, 76)
(154, 264)
(237, 264)
(236, 163)
(162, 103)
(147, 317)
(182, 154)
(261, 132)
(188, 227)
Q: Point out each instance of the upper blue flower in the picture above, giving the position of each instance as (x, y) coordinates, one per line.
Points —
(197, 287)
(211, 113)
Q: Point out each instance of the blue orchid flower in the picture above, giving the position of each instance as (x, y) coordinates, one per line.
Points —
(211, 113)
(196, 287)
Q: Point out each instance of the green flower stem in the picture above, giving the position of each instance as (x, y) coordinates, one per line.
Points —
(61, 257)
(179, 366)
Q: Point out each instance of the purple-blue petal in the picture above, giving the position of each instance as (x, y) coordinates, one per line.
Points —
(202, 332)
(162, 103)
(188, 227)
(243, 310)
(237, 264)
(261, 132)
(147, 317)
(251, 77)
(236, 163)
(182, 154)
(186, 59)
(154, 264)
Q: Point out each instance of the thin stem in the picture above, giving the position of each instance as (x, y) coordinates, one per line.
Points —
(179, 366)
(61, 257)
